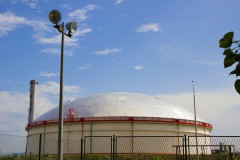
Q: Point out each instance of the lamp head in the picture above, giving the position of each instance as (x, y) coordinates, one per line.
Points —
(55, 16)
(71, 27)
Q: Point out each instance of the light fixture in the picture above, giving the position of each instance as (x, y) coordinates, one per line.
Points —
(71, 27)
(55, 16)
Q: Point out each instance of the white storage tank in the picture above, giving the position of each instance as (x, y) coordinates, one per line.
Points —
(115, 113)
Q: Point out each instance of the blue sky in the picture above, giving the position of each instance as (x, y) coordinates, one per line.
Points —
(152, 47)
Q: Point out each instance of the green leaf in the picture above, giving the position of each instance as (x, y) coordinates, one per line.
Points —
(229, 60)
(233, 72)
(237, 57)
(229, 36)
(227, 52)
(237, 86)
(238, 69)
(223, 43)
(226, 41)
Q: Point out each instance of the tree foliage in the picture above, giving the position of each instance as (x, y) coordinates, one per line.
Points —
(231, 52)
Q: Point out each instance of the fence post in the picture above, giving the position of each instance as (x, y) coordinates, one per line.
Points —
(113, 147)
(40, 146)
(81, 157)
(230, 153)
(185, 147)
(84, 148)
(188, 148)
(183, 154)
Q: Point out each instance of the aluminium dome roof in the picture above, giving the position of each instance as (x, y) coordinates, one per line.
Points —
(122, 104)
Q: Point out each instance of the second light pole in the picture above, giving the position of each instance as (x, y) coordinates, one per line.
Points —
(195, 120)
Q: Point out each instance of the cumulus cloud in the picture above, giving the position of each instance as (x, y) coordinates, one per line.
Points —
(188, 56)
(13, 112)
(85, 67)
(220, 108)
(31, 3)
(43, 39)
(139, 67)
(15, 105)
(9, 22)
(53, 87)
(119, 1)
(107, 51)
(48, 74)
(82, 31)
(81, 14)
(56, 51)
(154, 27)
(66, 6)
(55, 40)
(52, 51)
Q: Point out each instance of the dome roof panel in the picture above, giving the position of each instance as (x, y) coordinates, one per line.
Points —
(120, 104)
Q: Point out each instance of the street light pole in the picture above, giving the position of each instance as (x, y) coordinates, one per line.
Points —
(195, 119)
(60, 124)
(55, 17)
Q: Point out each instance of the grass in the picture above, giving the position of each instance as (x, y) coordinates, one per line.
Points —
(93, 157)
(117, 157)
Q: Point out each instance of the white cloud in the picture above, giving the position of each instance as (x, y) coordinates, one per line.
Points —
(31, 3)
(48, 74)
(107, 51)
(52, 51)
(39, 26)
(15, 105)
(188, 56)
(154, 27)
(55, 40)
(14, 101)
(56, 51)
(71, 89)
(53, 87)
(85, 67)
(66, 6)
(13, 112)
(81, 14)
(119, 1)
(139, 67)
(49, 87)
(82, 31)
(220, 108)
(9, 22)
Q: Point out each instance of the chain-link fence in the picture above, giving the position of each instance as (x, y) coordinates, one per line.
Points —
(217, 147)
(147, 144)
(123, 147)
(98, 145)
(12, 145)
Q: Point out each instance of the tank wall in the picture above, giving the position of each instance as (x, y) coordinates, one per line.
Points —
(74, 132)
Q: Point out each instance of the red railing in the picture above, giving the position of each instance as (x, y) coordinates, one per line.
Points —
(126, 119)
